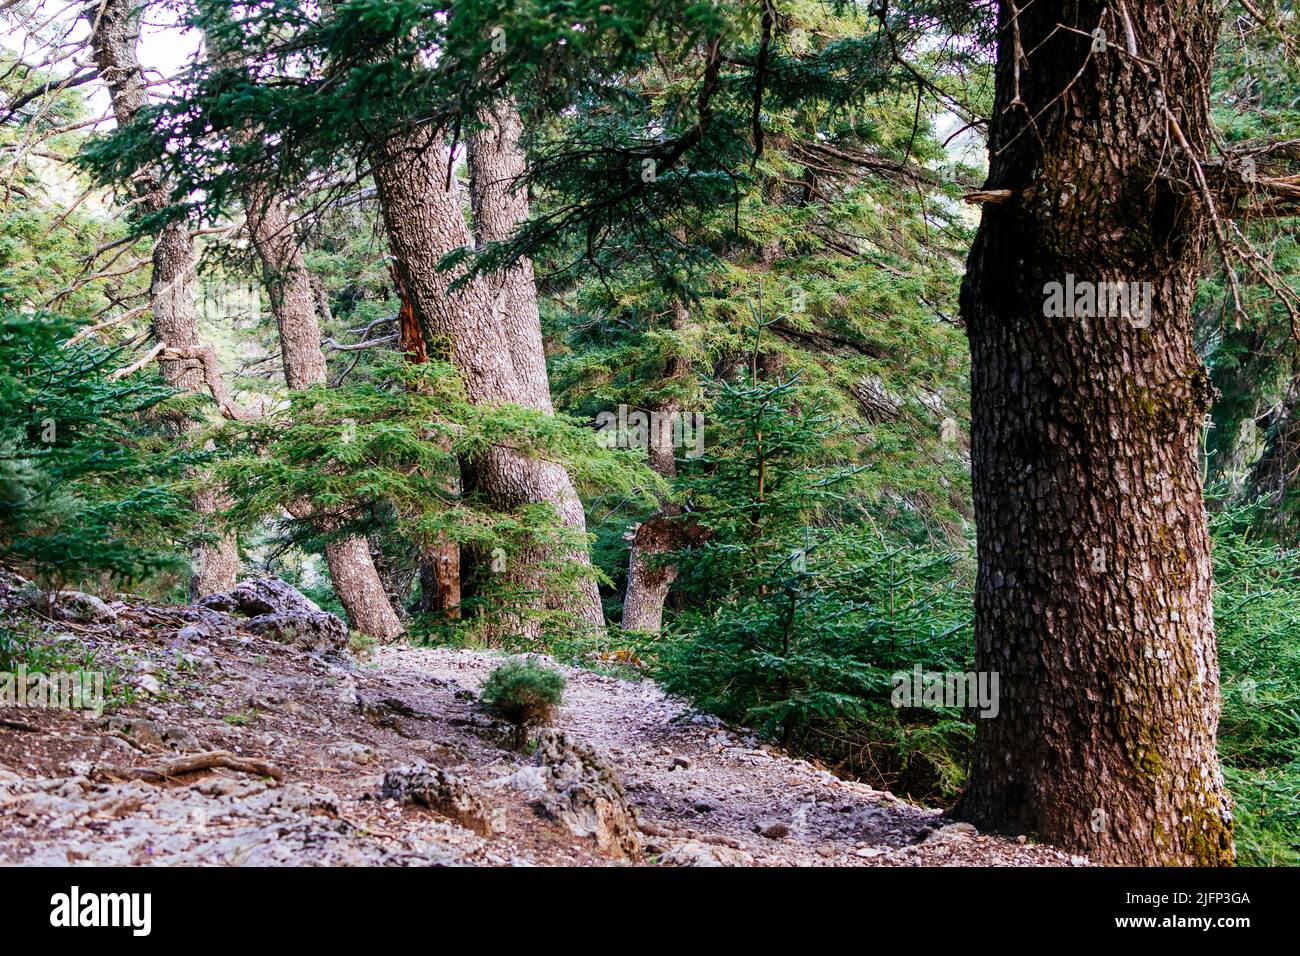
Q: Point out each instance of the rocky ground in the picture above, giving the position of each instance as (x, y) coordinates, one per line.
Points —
(254, 737)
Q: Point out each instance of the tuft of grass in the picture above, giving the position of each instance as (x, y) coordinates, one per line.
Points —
(362, 645)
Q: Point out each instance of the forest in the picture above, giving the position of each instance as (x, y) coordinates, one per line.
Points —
(670, 432)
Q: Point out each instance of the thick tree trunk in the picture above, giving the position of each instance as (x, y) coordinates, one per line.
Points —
(440, 581)
(500, 205)
(293, 303)
(186, 363)
(499, 202)
(649, 580)
(424, 224)
(1093, 592)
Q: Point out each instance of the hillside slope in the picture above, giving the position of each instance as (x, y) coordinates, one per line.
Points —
(346, 737)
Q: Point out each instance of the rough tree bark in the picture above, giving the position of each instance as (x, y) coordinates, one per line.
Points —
(500, 205)
(293, 303)
(499, 202)
(186, 362)
(1093, 590)
(424, 223)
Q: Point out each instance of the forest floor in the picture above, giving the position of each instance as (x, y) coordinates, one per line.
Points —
(72, 791)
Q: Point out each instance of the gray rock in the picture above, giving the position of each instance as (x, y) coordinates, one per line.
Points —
(149, 684)
(352, 753)
(150, 734)
(282, 613)
(704, 720)
(441, 791)
(533, 782)
(954, 831)
(695, 853)
(70, 606)
(586, 796)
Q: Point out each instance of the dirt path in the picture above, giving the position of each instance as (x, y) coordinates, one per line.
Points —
(691, 779)
(334, 728)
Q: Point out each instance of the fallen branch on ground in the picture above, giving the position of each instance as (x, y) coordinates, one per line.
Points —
(210, 760)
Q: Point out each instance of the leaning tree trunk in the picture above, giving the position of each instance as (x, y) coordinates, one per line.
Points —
(1093, 592)
(499, 201)
(500, 205)
(186, 362)
(424, 223)
(293, 302)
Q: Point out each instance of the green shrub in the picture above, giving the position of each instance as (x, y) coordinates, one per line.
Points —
(525, 692)
(90, 478)
(799, 608)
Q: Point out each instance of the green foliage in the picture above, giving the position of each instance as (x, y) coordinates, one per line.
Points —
(22, 644)
(1257, 617)
(798, 610)
(90, 481)
(525, 692)
(381, 458)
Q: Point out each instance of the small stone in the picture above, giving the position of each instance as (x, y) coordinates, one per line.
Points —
(695, 853)
(870, 852)
(682, 762)
(1022, 839)
(775, 831)
(149, 684)
(954, 831)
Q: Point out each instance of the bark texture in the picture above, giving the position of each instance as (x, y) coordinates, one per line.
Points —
(648, 580)
(186, 362)
(499, 202)
(1093, 591)
(425, 223)
(293, 302)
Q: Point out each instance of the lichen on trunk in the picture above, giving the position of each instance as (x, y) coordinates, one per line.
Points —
(1093, 591)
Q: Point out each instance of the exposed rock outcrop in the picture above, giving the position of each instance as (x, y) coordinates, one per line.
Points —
(585, 795)
(282, 613)
(441, 791)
